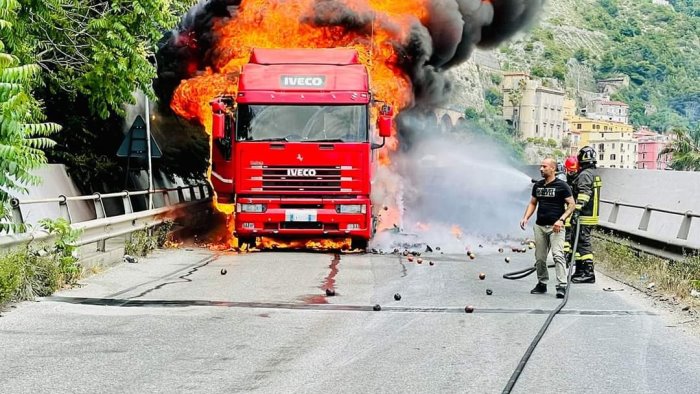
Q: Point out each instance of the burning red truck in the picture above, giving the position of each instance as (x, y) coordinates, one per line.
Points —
(293, 141)
(293, 150)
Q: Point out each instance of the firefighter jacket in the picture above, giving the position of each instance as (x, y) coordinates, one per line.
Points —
(586, 190)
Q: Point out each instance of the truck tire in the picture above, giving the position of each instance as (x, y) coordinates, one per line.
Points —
(359, 244)
(248, 241)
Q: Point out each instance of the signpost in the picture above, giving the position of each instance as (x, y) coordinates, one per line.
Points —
(139, 144)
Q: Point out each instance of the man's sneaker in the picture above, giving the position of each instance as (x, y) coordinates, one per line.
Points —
(561, 291)
(541, 288)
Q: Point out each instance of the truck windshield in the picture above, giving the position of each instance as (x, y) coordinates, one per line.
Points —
(302, 123)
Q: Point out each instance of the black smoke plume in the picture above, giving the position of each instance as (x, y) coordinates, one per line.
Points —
(447, 39)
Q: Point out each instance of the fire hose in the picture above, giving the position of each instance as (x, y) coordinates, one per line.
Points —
(521, 274)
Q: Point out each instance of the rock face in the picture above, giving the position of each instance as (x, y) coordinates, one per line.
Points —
(468, 91)
(470, 80)
(473, 77)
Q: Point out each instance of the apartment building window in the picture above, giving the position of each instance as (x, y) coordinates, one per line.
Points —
(578, 126)
(613, 145)
(602, 135)
(601, 148)
(605, 128)
(612, 156)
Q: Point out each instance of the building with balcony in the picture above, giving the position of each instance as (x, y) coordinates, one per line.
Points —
(534, 110)
(604, 109)
(614, 142)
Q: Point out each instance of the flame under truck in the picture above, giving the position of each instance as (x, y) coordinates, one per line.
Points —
(294, 151)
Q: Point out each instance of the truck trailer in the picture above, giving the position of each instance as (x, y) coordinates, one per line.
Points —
(294, 150)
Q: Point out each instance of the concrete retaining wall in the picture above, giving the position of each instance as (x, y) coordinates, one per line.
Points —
(55, 182)
(672, 190)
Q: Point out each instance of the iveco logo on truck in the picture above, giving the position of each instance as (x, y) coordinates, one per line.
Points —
(307, 81)
(301, 172)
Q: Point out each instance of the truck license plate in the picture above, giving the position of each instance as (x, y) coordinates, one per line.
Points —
(300, 215)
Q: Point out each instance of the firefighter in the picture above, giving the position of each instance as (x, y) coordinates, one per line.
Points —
(571, 171)
(586, 190)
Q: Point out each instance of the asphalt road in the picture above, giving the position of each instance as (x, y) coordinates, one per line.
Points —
(174, 323)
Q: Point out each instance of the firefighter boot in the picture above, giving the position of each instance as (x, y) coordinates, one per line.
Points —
(588, 273)
(578, 270)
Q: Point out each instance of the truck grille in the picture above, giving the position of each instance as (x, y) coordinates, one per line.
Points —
(317, 179)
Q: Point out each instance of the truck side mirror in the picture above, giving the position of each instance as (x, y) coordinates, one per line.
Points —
(385, 121)
(218, 123)
(217, 126)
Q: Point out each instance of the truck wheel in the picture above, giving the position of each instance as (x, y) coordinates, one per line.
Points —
(248, 241)
(359, 244)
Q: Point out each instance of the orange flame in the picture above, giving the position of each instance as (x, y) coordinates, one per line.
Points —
(457, 231)
(316, 244)
(285, 24)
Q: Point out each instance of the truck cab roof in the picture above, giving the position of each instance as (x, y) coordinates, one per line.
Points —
(327, 56)
(304, 76)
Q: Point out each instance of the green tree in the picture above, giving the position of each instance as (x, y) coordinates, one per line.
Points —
(21, 138)
(96, 54)
(102, 49)
(494, 97)
(685, 149)
(471, 113)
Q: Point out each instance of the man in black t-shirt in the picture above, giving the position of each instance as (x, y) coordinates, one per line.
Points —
(554, 202)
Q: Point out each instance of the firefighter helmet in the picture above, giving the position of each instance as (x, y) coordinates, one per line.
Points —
(571, 164)
(587, 157)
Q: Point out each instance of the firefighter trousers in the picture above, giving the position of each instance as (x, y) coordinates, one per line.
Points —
(584, 249)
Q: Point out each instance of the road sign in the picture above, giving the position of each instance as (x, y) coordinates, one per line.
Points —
(134, 144)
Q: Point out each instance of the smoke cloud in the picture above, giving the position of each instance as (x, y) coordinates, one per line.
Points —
(449, 181)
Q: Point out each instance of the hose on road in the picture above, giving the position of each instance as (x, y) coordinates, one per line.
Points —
(523, 361)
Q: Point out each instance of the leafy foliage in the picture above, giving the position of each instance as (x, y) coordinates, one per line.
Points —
(685, 150)
(655, 45)
(102, 49)
(65, 251)
(21, 140)
(96, 54)
(657, 48)
(30, 272)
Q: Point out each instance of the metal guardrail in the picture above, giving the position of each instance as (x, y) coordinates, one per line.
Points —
(102, 228)
(681, 238)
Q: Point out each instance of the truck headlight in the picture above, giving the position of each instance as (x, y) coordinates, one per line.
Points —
(253, 208)
(351, 208)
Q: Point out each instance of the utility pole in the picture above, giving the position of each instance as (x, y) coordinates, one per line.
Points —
(148, 149)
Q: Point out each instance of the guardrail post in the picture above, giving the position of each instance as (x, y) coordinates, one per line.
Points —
(685, 226)
(126, 201)
(99, 207)
(191, 192)
(180, 195)
(16, 211)
(644, 223)
(201, 191)
(166, 198)
(613, 212)
(63, 208)
(100, 214)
